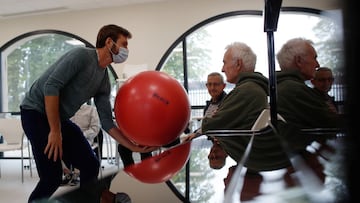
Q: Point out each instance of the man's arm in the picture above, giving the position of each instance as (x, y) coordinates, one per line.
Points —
(121, 139)
(54, 145)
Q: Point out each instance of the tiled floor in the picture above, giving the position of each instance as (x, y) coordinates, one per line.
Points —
(12, 190)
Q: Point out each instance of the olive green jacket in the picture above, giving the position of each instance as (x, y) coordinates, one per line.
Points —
(239, 110)
(242, 105)
(303, 108)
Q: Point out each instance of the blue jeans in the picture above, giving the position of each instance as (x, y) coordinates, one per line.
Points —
(76, 150)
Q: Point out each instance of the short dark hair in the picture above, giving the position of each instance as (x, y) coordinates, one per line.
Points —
(112, 31)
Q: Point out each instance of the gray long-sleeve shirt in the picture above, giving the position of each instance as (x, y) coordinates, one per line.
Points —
(75, 78)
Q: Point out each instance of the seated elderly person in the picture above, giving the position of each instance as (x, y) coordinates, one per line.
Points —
(300, 105)
(240, 109)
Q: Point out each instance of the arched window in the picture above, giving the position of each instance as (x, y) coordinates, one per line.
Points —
(199, 51)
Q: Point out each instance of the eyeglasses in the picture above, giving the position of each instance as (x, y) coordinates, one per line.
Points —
(325, 79)
(213, 84)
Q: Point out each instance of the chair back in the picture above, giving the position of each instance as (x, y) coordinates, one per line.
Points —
(264, 120)
(11, 130)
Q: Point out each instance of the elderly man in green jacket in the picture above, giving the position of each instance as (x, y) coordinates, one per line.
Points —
(299, 104)
(240, 109)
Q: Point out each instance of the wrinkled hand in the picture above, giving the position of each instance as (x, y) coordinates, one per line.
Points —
(54, 146)
(189, 137)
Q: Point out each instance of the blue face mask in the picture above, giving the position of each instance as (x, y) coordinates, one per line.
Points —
(121, 56)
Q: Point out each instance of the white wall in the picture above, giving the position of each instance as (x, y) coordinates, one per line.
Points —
(154, 26)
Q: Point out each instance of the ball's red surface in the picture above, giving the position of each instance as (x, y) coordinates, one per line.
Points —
(152, 108)
(161, 167)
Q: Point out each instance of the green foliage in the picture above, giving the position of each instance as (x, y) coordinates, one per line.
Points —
(201, 190)
(27, 62)
(198, 57)
(330, 49)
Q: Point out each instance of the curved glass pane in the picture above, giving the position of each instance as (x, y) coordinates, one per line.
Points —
(204, 51)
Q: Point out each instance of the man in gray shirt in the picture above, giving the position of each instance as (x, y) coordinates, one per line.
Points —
(76, 77)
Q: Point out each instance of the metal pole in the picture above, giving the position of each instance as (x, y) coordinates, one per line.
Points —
(271, 16)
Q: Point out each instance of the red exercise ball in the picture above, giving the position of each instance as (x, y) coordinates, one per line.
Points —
(152, 108)
(161, 167)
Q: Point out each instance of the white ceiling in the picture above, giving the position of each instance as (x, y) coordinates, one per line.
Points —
(16, 8)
